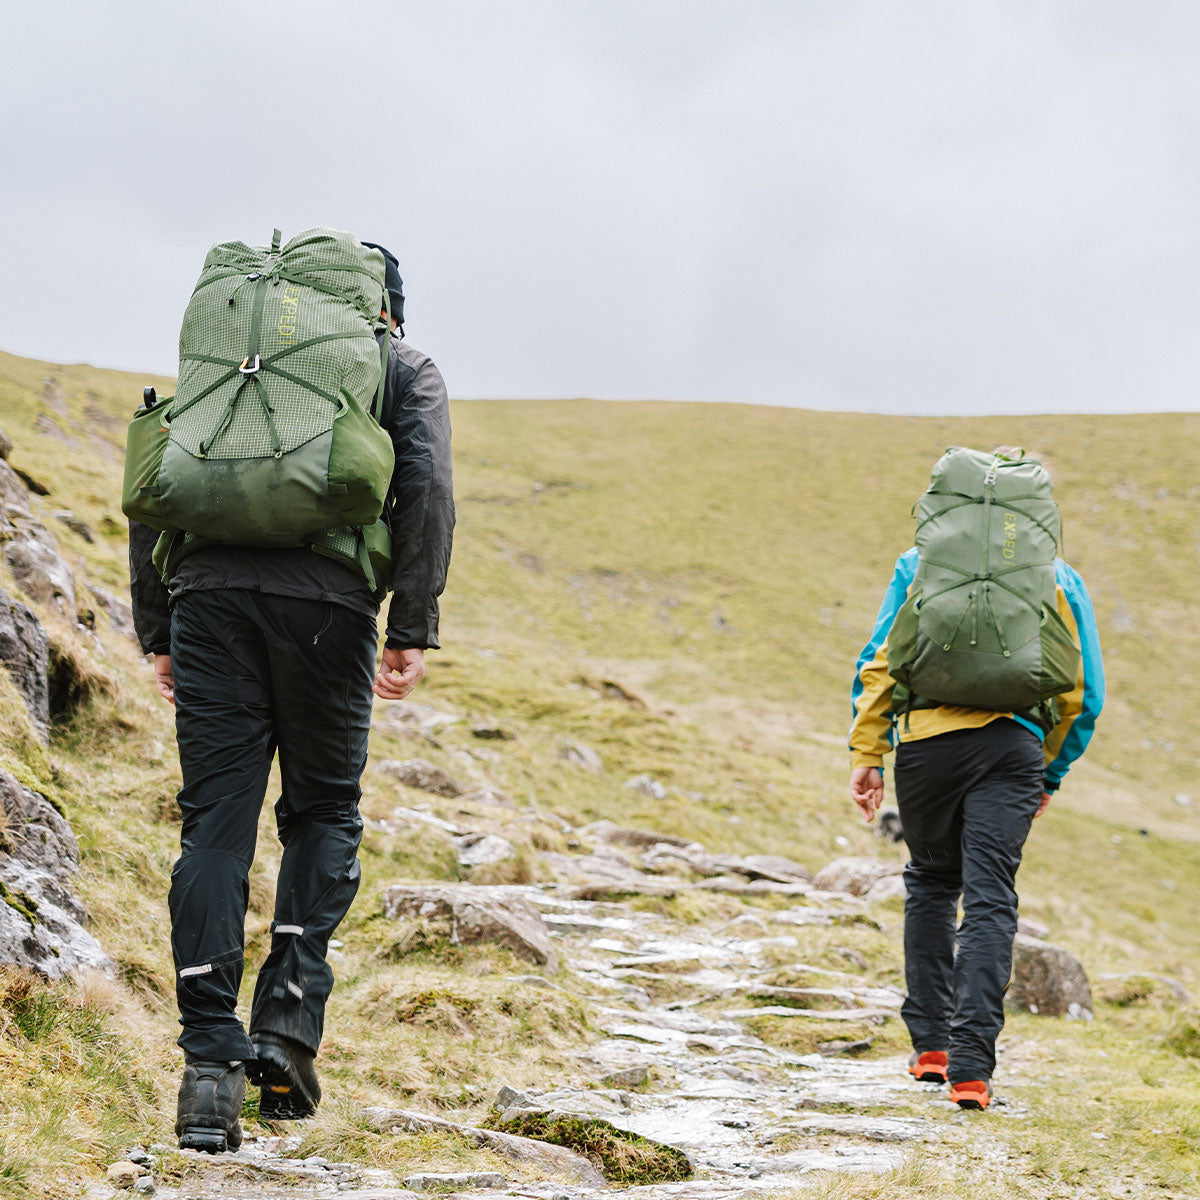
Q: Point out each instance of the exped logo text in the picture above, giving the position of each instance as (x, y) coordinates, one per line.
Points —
(289, 302)
(1008, 548)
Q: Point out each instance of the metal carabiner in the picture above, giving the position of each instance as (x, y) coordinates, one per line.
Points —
(248, 368)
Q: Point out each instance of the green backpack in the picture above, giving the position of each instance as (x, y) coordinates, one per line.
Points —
(981, 626)
(272, 437)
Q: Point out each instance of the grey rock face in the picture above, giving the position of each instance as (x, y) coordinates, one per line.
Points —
(41, 921)
(25, 653)
(119, 613)
(856, 875)
(1048, 980)
(467, 915)
(30, 549)
(5, 446)
(418, 773)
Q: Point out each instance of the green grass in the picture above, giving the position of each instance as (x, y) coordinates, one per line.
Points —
(684, 589)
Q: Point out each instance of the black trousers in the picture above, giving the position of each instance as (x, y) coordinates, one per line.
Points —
(966, 800)
(256, 673)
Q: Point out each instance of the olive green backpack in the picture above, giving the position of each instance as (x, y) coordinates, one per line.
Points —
(980, 627)
(272, 437)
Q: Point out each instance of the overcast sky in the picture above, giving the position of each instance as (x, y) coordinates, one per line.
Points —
(901, 206)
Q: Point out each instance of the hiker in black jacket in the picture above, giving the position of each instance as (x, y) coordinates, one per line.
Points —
(264, 650)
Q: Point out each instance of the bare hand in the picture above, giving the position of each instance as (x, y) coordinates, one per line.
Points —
(866, 790)
(1045, 804)
(164, 679)
(399, 672)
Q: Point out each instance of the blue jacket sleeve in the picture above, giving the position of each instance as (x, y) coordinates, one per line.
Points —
(1084, 725)
(867, 732)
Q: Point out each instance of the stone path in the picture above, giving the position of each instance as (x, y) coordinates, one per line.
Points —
(755, 1120)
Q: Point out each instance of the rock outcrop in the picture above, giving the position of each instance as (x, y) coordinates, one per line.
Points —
(30, 549)
(42, 924)
(25, 654)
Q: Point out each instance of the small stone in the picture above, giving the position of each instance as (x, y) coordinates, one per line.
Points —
(648, 786)
(136, 1154)
(1183, 799)
(1031, 928)
(423, 775)
(124, 1174)
(581, 756)
(144, 1186)
(492, 733)
(508, 1097)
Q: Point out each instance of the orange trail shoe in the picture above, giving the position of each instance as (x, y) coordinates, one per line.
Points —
(928, 1067)
(971, 1093)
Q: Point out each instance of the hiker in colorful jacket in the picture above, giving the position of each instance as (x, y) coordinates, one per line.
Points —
(266, 649)
(982, 591)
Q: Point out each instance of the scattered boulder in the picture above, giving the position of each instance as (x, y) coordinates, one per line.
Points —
(855, 875)
(421, 774)
(775, 866)
(492, 733)
(890, 887)
(627, 1077)
(638, 839)
(467, 914)
(648, 786)
(582, 756)
(1048, 980)
(542, 1156)
(25, 653)
(42, 924)
(480, 849)
(486, 794)
(1032, 928)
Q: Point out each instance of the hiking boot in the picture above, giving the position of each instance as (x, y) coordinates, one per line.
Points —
(929, 1066)
(285, 1072)
(971, 1093)
(210, 1103)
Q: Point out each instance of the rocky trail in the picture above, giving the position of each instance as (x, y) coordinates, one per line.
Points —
(683, 1070)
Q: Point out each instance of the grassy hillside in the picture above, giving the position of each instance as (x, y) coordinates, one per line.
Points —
(684, 589)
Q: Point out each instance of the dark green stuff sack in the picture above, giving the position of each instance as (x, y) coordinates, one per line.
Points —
(272, 437)
(981, 626)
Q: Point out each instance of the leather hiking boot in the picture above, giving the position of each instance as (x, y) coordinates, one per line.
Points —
(210, 1103)
(971, 1093)
(929, 1066)
(285, 1072)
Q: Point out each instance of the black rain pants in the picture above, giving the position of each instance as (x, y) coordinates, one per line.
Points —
(256, 673)
(966, 800)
